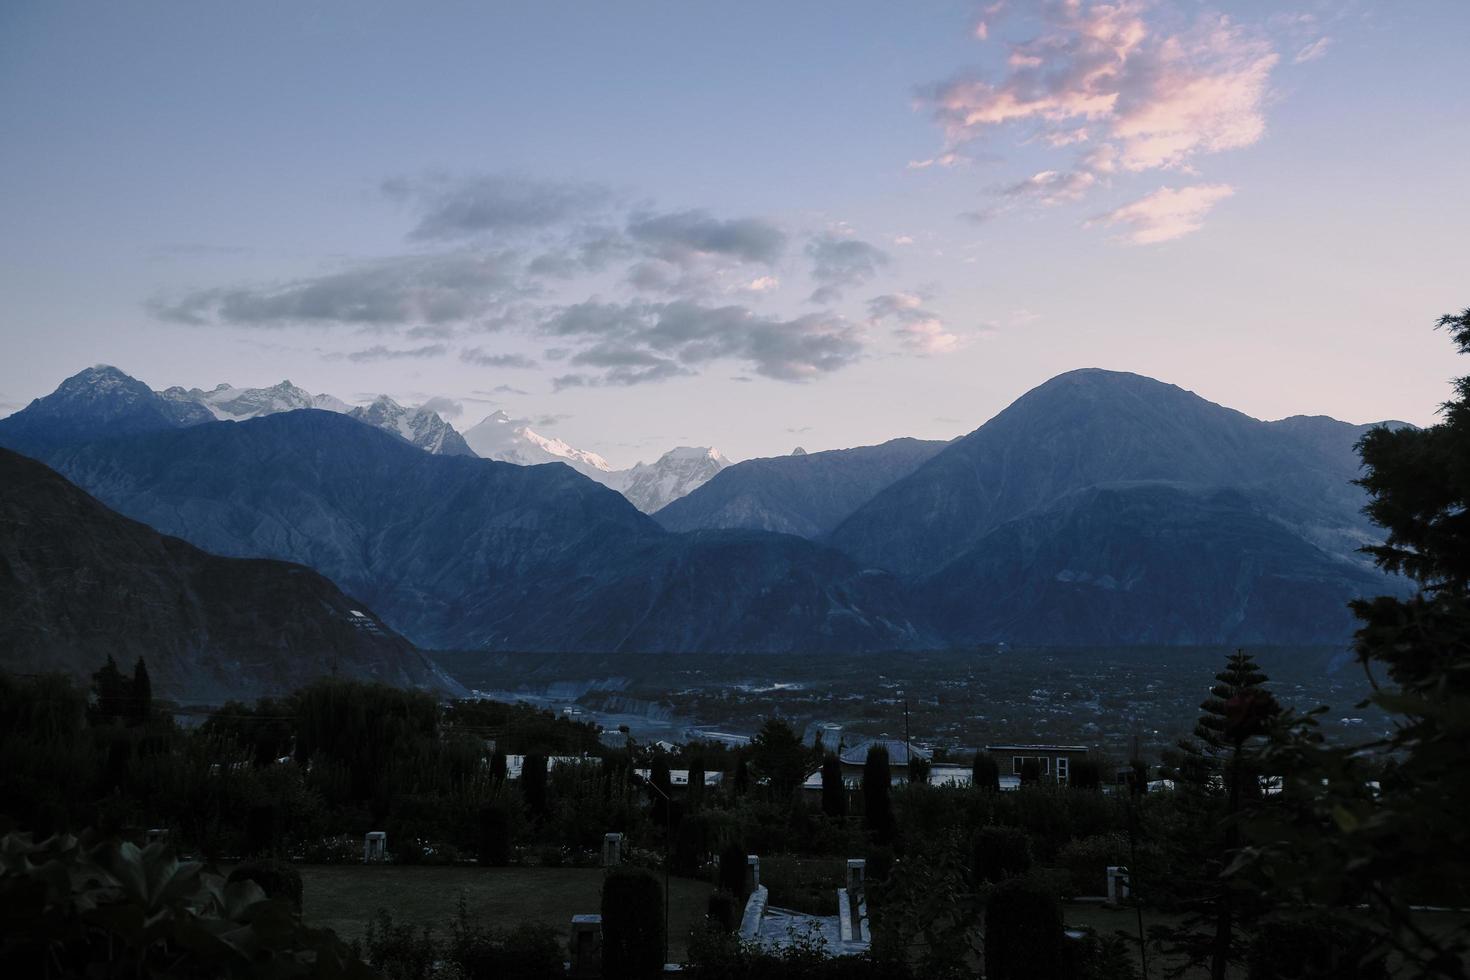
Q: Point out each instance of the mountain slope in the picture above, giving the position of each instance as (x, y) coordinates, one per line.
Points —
(1147, 563)
(421, 427)
(463, 552)
(500, 437)
(79, 582)
(1094, 427)
(806, 494)
(96, 403)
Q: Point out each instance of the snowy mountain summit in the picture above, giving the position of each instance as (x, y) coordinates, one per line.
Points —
(421, 426)
(648, 486)
(677, 472)
(511, 440)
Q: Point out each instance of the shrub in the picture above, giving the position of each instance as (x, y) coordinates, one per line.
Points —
(632, 924)
(985, 772)
(276, 878)
(527, 952)
(1087, 860)
(494, 836)
(691, 844)
(999, 853)
(533, 784)
(399, 952)
(834, 790)
(1316, 946)
(1023, 933)
(723, 911)
(1095, 957)
(877, 806)
(1085, 773)
(732, 870)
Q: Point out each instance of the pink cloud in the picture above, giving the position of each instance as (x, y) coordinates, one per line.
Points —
(1102, 71)
(1167, 213)
(918, 328)
(1313, 51)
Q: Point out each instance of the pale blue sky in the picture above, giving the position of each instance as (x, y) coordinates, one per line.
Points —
(713, 224)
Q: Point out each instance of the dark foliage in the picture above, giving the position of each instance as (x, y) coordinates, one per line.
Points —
(276, 878)
(1314, 946)
(985, 772)
(999, 853)
(834, 788)
(533, 784)
(1023, 933)
(494, 840)
(732, 870)
(632, 924)
(877, 802)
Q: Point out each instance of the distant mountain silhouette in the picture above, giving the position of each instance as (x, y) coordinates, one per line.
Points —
(79, 582)
(807, 494)
(456, 551)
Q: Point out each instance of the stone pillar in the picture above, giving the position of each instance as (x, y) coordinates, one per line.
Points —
(612, 850)
(752, 872)
(1117, 884)
(586, 945)
(374, 847)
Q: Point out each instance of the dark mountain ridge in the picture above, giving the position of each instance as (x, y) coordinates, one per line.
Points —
(457, 551)
(79, 582)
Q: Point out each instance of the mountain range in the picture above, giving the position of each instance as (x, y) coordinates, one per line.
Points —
(79, 583)
(1099, 508)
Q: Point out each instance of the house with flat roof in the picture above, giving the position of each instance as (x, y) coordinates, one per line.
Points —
(1054, 762)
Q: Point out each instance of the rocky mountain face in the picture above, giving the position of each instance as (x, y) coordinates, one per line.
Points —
(98, 403)
(649, 486)
(420, 427)
(79, 582)
(228, 403)
(511, 440)
(470, 553)
(807, 494)
(678, 472)
(1151, 563)
(1093, 427)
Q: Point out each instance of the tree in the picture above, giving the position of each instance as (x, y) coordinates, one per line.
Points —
(1030, 772)
(632, 924)
(1214, 772)
(741, 781)
(1023, 933)
(533, 784)
(498, 768)
(661, 792)
(1383, 823)
(778, 755)
(140, 695)
(110, 691)
(985, 772)
(877, 805)
(695, 796)
(834, 790)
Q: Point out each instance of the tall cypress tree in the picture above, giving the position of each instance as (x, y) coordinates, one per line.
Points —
(141, 696)
(695, 795)
(834, 790)
(877, 805)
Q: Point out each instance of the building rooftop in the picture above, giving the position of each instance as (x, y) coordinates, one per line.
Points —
(898, 751)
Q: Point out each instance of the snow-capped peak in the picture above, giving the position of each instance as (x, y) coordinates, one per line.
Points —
(512, 440)
(677, 472)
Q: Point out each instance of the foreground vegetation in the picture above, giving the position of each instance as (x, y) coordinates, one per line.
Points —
(1276, 854)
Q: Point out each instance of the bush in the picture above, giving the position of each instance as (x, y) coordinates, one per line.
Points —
(494, 849)
(399, 952)
(1095, 957)
(732, 870)
(1316, 946)
(1085, 773)
(632, 924)
(1088, 859)
(276, 878)
(691, 844)
(1023, 933)
(985, 773)
(723, 911)
(527, 952)
(999, 853)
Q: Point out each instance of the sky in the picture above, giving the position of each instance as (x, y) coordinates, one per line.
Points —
(752, 226)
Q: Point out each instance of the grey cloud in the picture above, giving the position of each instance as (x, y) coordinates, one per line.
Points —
(590, 252)
(447, 407)
(682, 236)
(508, 390)
(459, 207)
(839, 263)
(638, 342)
(481, 358)
(385, 293)
(380, 353)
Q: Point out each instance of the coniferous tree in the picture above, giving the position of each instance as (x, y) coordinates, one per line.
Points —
(695, 795)
(661, 792)
(985, 772)
(834, 790)
(1382, 824)
(877, 804)
(533, 783)
(140, 699)
(110, 689)
(1215, 773)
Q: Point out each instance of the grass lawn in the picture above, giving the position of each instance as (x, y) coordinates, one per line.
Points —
(344, 897)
